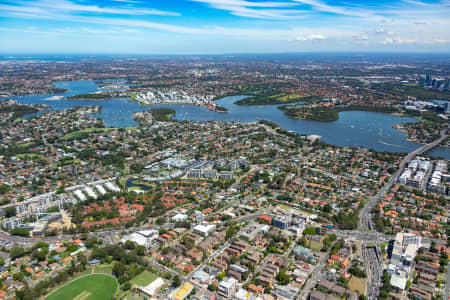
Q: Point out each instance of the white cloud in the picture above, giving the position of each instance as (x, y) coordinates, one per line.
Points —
(311, 37)
(436, 41)
(114, 30)
(397, 41)
(261, 10)
(382, 31)
(339, 10)
(21, 9)
(418, 3)
(54, 6)
(401, 26)
(408, 41)
(361, 37)
(127, 1)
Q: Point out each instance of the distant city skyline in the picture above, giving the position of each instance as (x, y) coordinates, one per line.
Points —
(223, 26)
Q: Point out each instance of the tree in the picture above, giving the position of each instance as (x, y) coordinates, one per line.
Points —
(342, 281)
(18, 276)
(42, 254)
(130, 245)
(136, 168)
(212, 287)
(99, 253)
(310, 231)
(230, 232)
(283, 278)
(16, 251)
(176, 281)
(83, 261)
(160, 221)
(118, 269)
(61, 189)
(220, 276)
(433, 248)
(4, 189)
(357, 272)
(10, 211)
(126, 286)
(140, 250)
(20, 232)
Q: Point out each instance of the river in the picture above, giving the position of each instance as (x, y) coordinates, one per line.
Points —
(354, 128)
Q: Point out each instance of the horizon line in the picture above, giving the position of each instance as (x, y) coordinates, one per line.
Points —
(221, 53)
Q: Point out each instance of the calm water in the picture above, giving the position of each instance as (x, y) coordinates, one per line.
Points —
(354, 128)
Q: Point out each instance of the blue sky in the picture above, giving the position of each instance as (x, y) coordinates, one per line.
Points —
(223, 26)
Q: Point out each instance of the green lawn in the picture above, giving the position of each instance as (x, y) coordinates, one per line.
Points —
(134, 188)
(103, 269)
(143, 279)
(87, 130)
(90, 287)
(357, 284)
(383, 246)
(161, 290)
(29, 155)
(25, 145)
(284, 206)
(316, 246)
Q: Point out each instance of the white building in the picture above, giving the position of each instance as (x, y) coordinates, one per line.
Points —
(398, 282)
(90, 192)
(204, 230)
(79, 194)
(179, 218)
(227, 286)
(152, 289)
(409, 239)
(100, 189)
(112, 187)
(143, 237)
(404, 250)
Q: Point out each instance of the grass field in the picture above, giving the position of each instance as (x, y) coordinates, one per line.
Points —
(358, 248)
(289, 97)
(316, 246)
(87, 130)
(284, 206)
(383, 246)
(25, 145)
(29, 155)
(357, 284)
(103, 269)
(90, 287)
(143, 279)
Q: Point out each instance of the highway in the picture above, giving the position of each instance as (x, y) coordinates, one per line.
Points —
(315, 275)
(374, 269)
(447, 284)
(365, 221)
(372, 260)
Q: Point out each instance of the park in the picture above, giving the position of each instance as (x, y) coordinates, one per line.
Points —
(89, 287)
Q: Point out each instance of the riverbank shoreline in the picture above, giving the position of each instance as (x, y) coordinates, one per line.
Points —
(332, 114)
(368, 128)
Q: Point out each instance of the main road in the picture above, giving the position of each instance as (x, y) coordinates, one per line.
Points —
(315, 275)
(375, 266)
(365, 220)
(447, 283)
